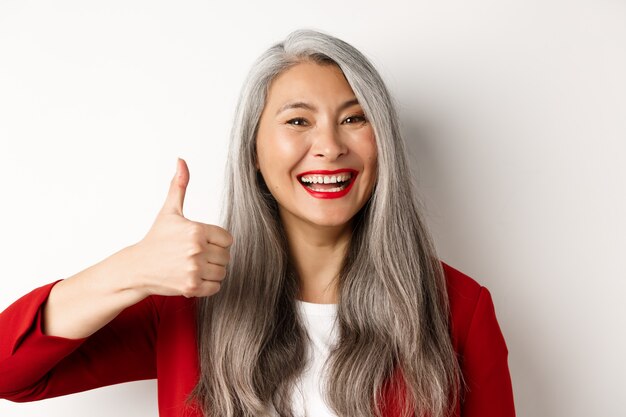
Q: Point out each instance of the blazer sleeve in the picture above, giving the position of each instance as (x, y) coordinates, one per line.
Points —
(488, 391)
(34, 366)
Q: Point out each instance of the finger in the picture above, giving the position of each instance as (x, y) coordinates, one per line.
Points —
(178, 187)
(217, 255)
(212, 272)
(203, 289)
(209, 288)
(217, 235)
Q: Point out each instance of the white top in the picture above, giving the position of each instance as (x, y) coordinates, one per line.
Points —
(319, 321)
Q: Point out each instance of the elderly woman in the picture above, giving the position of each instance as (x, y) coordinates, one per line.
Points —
(321, 296)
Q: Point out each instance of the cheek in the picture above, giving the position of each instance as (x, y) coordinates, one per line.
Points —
(370, 157)
(373, 144)
(373, 152)
(368, 149)
(280, 150)
(277, 156)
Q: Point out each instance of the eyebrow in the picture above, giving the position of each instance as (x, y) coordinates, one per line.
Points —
(304, 105)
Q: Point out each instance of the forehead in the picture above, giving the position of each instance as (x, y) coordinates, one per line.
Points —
(309, 81)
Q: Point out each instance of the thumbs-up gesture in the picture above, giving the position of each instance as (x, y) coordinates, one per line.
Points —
(179, 256)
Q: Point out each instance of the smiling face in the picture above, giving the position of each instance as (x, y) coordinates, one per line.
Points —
(313, 123)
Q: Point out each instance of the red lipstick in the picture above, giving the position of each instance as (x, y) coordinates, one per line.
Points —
(324, 193)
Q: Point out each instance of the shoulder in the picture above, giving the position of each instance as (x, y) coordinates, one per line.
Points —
(480, 346)
(462, 289)
(471, 306)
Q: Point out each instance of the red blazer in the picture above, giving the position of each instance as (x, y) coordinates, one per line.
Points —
(156, 338)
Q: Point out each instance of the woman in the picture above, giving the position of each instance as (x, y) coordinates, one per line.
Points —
(322, 295)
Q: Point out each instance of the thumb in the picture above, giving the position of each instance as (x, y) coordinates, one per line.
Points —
(178, 187)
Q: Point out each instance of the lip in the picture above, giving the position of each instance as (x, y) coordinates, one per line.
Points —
(333, 194)
(326, 172)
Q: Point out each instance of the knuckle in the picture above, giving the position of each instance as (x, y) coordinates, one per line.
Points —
(190, 289)
(194, 248)
(193, 268)
(196, 231)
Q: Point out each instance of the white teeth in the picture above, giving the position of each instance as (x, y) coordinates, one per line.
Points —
(328, 191)
(327, 179)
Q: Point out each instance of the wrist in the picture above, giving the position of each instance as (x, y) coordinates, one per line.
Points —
(125, 266)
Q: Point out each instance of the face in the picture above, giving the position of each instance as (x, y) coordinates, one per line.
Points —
(315, 148)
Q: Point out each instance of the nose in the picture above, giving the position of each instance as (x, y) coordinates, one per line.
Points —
(328, 144)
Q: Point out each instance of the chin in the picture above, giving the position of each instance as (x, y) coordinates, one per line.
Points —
(329, 221)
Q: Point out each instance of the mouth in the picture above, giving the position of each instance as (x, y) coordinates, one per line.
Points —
(328, 184)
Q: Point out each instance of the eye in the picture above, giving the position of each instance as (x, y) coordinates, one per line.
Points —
(298, 121)
(355, 119)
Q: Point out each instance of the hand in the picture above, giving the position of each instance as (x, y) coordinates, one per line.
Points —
(179, 256)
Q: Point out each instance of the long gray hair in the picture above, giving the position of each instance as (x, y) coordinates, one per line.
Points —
(393, 313)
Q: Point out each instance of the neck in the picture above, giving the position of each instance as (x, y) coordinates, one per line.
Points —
(317, 253)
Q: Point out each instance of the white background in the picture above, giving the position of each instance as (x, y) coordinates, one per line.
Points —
(517, 116)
